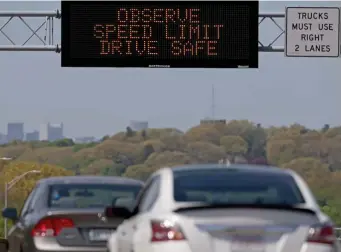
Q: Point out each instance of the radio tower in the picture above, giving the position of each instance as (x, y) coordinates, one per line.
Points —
(213, 103)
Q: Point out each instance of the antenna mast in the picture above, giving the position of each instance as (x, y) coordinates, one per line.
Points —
(213, 103)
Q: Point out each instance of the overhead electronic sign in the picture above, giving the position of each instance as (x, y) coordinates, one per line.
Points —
(198, 34)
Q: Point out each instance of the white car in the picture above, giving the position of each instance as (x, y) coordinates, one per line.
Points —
(224, 208)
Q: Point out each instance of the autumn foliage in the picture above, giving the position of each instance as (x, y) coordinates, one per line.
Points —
(313, 153)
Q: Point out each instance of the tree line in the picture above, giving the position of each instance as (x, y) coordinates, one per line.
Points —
(313, 153)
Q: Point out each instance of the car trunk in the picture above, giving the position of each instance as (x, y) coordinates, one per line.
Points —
(246, 229)
(91, 227)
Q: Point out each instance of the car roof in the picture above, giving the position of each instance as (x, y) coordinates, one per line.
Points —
(90, 179)
(259, 169)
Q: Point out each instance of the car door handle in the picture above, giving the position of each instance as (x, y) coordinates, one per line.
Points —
(123, 233)
(134, 227)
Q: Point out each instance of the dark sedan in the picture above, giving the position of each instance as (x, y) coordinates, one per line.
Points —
(67, 213)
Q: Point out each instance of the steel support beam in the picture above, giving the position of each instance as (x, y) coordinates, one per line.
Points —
(274, 18)
(43, 32)
(55, 14)
(47, 39)
(30, 48)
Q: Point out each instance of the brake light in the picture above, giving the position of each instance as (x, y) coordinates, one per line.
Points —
(324, 234)
(51, 226)
(166, 231)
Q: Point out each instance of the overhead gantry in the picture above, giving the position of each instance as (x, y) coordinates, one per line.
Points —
(45, 32)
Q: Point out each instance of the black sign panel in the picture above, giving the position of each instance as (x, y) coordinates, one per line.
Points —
(194, 34)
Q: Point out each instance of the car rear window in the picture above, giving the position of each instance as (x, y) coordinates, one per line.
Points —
(236, 187)
(91, 195)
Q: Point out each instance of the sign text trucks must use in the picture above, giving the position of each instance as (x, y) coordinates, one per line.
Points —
(312, 32)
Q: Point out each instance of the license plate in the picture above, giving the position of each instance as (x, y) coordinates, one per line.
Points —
(99, 234)
(251, 244)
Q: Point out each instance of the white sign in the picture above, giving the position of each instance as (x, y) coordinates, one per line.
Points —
(312, 32)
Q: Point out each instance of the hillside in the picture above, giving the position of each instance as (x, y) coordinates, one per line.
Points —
(315, 154)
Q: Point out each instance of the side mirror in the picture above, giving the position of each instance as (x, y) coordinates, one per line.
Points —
(10, 213)
(120, 212)
(3, 245)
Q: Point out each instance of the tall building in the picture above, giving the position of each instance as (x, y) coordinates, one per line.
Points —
(3, 138)
(138, 125)
(32, 136)
(55, 132)
(15, 131)
(51, 132)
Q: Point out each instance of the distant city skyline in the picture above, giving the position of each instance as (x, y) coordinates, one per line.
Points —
(16, 130)
(47, 132)
(135, 125)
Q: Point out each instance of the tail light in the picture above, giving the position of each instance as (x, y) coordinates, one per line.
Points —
(51, 226)
(166, 231)
(324, 234)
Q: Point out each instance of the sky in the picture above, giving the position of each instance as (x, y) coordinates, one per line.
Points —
(96, 102)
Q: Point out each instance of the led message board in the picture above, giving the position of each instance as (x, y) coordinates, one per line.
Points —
(198, 34)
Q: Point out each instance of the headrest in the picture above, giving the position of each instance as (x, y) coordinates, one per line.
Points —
(125, 202)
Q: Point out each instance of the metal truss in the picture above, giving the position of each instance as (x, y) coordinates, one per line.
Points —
(47, 37)
(274, 19)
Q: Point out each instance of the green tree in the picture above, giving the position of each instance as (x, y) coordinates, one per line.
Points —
(78, 147)
(116, 150)
(280, 151)
(154, 145)
(140, 171)
(204, 133)
(20, 191)
(333, 132)
(66, 142)
(314, 172)
(205, 152)
(113, 170)
(97, 166)
(234, 145)
(129, 132)
(239, 128)
(174, 143)
(167, 158)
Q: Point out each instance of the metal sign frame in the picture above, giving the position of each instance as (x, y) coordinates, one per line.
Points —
(49, 17)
